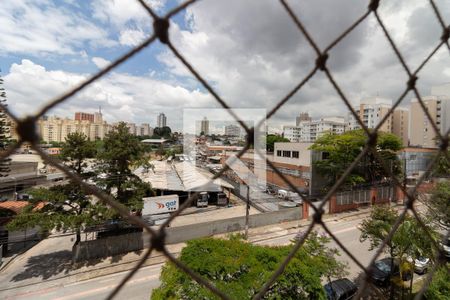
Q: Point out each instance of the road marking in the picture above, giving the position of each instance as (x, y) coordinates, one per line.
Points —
(39, 292)
(104, 288)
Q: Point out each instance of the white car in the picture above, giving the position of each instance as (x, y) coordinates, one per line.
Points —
(421, 264)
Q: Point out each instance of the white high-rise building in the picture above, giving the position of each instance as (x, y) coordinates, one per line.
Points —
(204, 126)
(309, 131)
(162, 120)
(232, 130)
(371, 111)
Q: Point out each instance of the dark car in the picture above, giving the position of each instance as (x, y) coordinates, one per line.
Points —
(385, 269)
(341, 289)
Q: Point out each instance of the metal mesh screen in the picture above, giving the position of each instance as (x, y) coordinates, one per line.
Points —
(26, 129)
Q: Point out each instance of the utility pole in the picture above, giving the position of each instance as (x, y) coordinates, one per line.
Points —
(247, 212)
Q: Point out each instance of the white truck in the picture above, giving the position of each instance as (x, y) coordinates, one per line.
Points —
(160, 205)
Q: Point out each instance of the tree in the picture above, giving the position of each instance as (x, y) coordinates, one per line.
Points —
(339, 151)
(65, 206)
(442, 167)
(5, 135)
(162, 132)
(76, 150)
(240, 269)
(439, 288)
(409, 240)
(439, 206)
(271, 139)
(121, 153)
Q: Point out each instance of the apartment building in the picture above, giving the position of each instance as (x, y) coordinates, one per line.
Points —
(204, 126)
(232, 130)
(422, 131)
(55, 129)
(400, 124)
(371, 111)
(311, 130)
(161, 120)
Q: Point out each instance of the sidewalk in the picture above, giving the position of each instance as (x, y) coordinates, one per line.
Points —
(51, 258)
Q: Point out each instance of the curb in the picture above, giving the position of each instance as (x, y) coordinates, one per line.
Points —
(101, 271)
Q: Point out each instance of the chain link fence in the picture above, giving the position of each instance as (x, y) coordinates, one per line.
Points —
(26, 129)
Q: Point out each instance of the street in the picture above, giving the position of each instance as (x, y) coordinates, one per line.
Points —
(140, 286)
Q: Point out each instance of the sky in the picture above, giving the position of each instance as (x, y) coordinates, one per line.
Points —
(250, 51)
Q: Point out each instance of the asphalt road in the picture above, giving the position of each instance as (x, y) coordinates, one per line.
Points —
(140, 286)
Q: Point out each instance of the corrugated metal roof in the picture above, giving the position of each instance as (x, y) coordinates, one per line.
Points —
(180, 176)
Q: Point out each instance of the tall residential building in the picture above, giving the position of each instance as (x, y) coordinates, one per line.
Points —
(309, 131)
(144, 130)
(204, 126)
(371, 111)
(81, 116)
(302, 117)
(438, 106)
(132, 128)
(55, 129)
(232, 130)
(400, 124)
(162, 120)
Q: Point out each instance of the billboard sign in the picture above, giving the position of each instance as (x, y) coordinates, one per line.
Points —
(160, 205)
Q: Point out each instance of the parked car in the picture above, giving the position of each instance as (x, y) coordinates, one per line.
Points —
(385, 269)
(341, 289)
(446, 247)
(421, 264)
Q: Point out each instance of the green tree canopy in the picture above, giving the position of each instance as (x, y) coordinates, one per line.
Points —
(410, 240)
(76, 150)
(240, 269)
(271, 139)
(438, 205)
(121, 153)
(65, 206)
(162, 132)
(340, 150)
(439, 288)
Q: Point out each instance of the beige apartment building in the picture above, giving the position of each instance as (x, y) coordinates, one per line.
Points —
(400, 124)
(55, 129)
(373, 110)
(422, 131)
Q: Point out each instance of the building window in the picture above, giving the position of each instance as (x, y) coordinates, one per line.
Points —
(325, 155)
(278, 152)
(286, 153)
(295, 154)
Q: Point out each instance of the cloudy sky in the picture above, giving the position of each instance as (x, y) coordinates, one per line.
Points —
(249, 51)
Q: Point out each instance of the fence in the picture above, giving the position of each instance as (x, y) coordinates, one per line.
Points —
(26, 129)
(349, 200)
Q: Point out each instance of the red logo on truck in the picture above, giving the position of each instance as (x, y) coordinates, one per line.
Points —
(160, 205)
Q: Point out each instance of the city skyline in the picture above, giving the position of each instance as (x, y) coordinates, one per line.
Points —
(247, 71)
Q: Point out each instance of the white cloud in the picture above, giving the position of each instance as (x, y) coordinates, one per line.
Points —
(121, 96)
(131, 37)
(121, 12)
(253, 54)
(41, 28)
(100, 62)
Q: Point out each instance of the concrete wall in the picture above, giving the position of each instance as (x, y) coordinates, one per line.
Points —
(108, 246)
(136, 241)
(188, 232)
